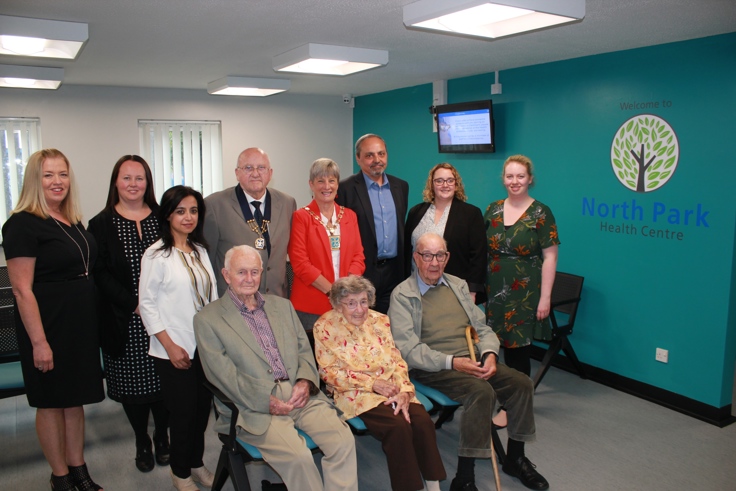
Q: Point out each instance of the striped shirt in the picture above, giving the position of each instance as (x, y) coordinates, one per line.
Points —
(257, 321)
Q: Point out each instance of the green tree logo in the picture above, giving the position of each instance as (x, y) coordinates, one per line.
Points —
(644, 153)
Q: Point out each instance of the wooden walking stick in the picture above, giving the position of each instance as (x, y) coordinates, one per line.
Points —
(471, 336)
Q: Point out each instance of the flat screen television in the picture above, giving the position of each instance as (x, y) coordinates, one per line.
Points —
(466, 127)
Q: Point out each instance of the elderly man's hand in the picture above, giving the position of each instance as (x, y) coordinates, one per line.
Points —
(277, 407)
(474, 368)
(489, 367)
(299, 394)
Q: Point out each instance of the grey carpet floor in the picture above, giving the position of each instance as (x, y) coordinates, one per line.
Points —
(589, 438)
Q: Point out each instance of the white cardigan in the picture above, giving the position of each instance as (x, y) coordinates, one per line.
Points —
(165, 298)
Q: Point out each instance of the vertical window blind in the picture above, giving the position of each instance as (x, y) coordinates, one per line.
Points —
(183, 152)
(19, 137)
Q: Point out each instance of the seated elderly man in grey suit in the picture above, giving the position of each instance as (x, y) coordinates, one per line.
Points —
(253, 347)
(429, 313)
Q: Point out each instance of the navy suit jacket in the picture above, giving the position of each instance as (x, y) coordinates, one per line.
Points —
(353, 193)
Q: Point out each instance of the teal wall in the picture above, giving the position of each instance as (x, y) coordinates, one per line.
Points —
(640, 292)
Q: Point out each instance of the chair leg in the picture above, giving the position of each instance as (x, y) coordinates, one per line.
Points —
(554, 347)
(446, 414)
(567, 349)
(231, 464)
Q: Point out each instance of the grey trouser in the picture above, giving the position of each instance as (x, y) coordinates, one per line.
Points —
(514, 391)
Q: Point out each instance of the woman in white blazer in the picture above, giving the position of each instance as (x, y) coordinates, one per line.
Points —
(176, 281)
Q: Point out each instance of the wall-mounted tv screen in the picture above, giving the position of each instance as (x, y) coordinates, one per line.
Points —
(466, 127)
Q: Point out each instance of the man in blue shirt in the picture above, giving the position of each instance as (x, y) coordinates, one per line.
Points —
(380, 200)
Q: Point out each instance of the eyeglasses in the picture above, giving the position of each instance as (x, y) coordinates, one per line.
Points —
(440, 256)
(249, 169)
(352, 305)
(439, 181)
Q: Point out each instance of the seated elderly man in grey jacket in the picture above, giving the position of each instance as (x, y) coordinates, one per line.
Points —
(429, 312)
(253, 347)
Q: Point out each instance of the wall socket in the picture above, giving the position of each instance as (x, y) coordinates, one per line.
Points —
(662, 355)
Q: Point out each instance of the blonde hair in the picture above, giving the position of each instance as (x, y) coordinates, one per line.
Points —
(523, 160)
(32, 199)
(428, 193)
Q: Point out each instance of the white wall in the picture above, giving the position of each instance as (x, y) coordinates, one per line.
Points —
(94, 126)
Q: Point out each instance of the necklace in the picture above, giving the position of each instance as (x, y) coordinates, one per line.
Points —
(330, 227)
(260, 240)
(85, 263)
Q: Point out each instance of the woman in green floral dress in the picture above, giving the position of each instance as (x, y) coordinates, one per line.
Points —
(522, 259)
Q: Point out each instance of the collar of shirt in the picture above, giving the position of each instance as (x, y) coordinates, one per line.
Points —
(423, 287)
(241, 306)
(250, 200)
(370, 182)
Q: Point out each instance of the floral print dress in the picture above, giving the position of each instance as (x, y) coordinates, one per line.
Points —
(515, 273)
(351, 358)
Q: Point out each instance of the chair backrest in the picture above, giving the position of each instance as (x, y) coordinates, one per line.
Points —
(566, 295)
(8, 340)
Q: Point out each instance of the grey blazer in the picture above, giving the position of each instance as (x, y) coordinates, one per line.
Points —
(225, 227)
(234, 361)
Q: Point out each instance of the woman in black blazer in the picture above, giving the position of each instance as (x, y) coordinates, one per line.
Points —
(445, 212)
(124, 230)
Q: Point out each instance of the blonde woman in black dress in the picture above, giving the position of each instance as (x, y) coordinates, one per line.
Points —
(50, 258)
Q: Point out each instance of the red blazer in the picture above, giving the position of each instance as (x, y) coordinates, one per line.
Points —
(310, 256)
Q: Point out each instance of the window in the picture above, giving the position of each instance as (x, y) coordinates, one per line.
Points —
(183, 152)
(20, 137)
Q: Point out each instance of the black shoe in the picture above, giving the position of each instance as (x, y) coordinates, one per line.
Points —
(144, 457)
(62, 483)
(526, 472)
(468, 486)
(163, 451)
(80, 476)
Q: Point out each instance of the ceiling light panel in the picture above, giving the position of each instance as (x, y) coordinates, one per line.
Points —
(248, 86)
(30, 77)
(491, 19)
(325, 59)
(22, 36)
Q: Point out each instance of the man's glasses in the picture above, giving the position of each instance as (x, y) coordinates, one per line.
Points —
(249, 169)
(439, 181)
(352, 305)
(427, 257)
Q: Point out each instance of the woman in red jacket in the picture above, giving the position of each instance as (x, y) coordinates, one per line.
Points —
(324, 245)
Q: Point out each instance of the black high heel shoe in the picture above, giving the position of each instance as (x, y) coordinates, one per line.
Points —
(62, 483)
(144, 456)
(80, 476)
(163, 451)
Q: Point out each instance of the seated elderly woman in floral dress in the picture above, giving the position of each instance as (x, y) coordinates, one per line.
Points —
(361, 366)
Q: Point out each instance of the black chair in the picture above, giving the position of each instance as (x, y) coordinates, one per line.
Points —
(11, 377)
(235, 452)
(565, 300)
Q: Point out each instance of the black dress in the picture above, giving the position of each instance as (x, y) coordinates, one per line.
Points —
(67, 302)
(131, 376)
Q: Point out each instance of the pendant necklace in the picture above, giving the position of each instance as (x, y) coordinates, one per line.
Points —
(260, 242)
(85, 263)
(330, 227)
